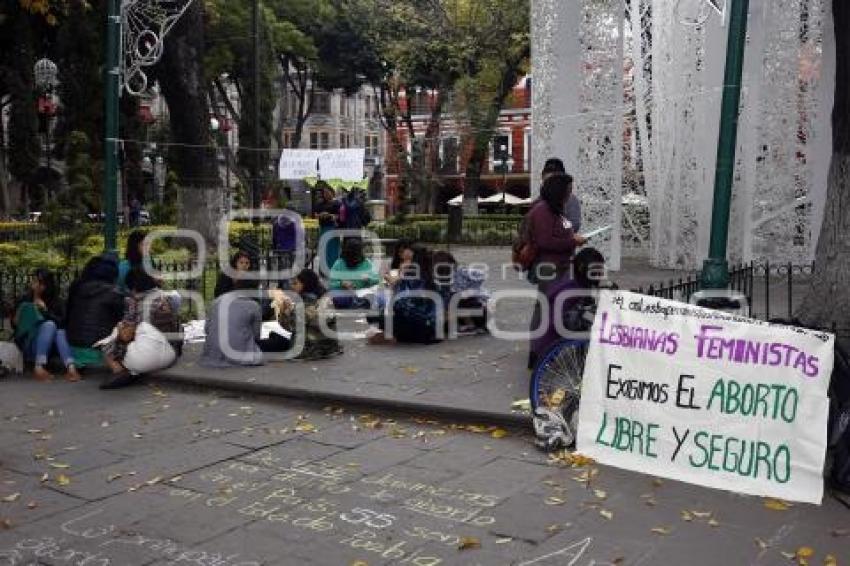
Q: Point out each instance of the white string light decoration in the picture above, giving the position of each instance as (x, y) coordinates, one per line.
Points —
(144, 25)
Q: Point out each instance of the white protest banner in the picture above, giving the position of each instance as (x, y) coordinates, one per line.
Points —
(339, 164)
(298, 163)
(706, 397)
(342, 164)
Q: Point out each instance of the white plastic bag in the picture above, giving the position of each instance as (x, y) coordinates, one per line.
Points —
(149, 351)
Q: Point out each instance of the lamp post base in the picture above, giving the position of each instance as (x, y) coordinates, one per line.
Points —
(715, 274)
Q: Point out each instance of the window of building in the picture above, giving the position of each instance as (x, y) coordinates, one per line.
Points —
(368, 113)
(372, 149)
(314, 140)
(321, 103)
(287, 139)
(324, 140)
(449, 156)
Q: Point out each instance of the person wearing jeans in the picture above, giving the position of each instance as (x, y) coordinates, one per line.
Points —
(37, 323)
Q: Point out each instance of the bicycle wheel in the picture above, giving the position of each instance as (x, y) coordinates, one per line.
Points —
(556, 380)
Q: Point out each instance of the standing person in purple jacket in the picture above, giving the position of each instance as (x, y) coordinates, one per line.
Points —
(554, 238)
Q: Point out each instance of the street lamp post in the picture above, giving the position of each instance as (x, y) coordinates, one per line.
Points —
(715, 273)
(507, 162)
(45, 73)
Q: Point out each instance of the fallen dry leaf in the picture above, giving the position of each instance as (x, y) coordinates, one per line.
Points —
(607, 514)
(554, 501)
(651, 502)
(713, 523)
(62, 479)
(469, 543)
(58, 466)
(411, 370)
(619, 560)
(5, 524)
(663, 531)
(788, 555)
(840, 532)
(32, 505)
(657, 483)
(805, 552)
(499, 433)
(830, 560)
(702, 514)
(686, 516)
(504, 540)
(305, 427)
(11, 498)
(554, 528)
(359, 563)
(761, 544)
(44, 478)
(600, 494)
(777, 504)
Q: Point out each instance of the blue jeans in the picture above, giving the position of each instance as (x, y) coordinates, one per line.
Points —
(48, 336)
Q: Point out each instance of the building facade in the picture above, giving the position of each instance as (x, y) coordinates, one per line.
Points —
(508, 167)
(338, 121)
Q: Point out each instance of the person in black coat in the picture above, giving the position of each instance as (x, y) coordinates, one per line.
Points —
(95, 304)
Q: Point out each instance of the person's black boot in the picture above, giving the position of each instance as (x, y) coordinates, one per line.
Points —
(119, 380)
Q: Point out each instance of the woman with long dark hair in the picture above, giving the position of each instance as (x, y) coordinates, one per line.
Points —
(317, 345)
(134, 257)
(40, 326)
(554, 238)
(353, 270)
(415, 315)
(240, 262)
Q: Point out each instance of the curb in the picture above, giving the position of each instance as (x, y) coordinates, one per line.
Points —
(310, 395)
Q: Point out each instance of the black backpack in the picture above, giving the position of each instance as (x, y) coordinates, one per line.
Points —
(838, 433)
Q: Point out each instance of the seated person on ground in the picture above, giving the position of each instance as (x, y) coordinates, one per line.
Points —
(588, 269)
(402, 257)
(414, 317)
(241, 318)
(95, 306)
(316, 344)
(241, 262)
(163, 307)
(39, 324)
(452, 279)
(352, 272)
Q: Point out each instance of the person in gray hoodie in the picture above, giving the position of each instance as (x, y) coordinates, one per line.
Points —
(233, 330)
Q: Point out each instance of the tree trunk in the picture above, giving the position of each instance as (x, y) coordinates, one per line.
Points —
(181, 76)
(828, 301)
(5, 200)
(431, 151)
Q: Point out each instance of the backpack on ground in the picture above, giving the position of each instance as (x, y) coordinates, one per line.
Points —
(838, 433)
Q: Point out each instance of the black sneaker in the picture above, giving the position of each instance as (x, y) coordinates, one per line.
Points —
(119, 380)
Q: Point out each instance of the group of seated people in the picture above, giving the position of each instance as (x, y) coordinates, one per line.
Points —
(116, 316)
(418, 289)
